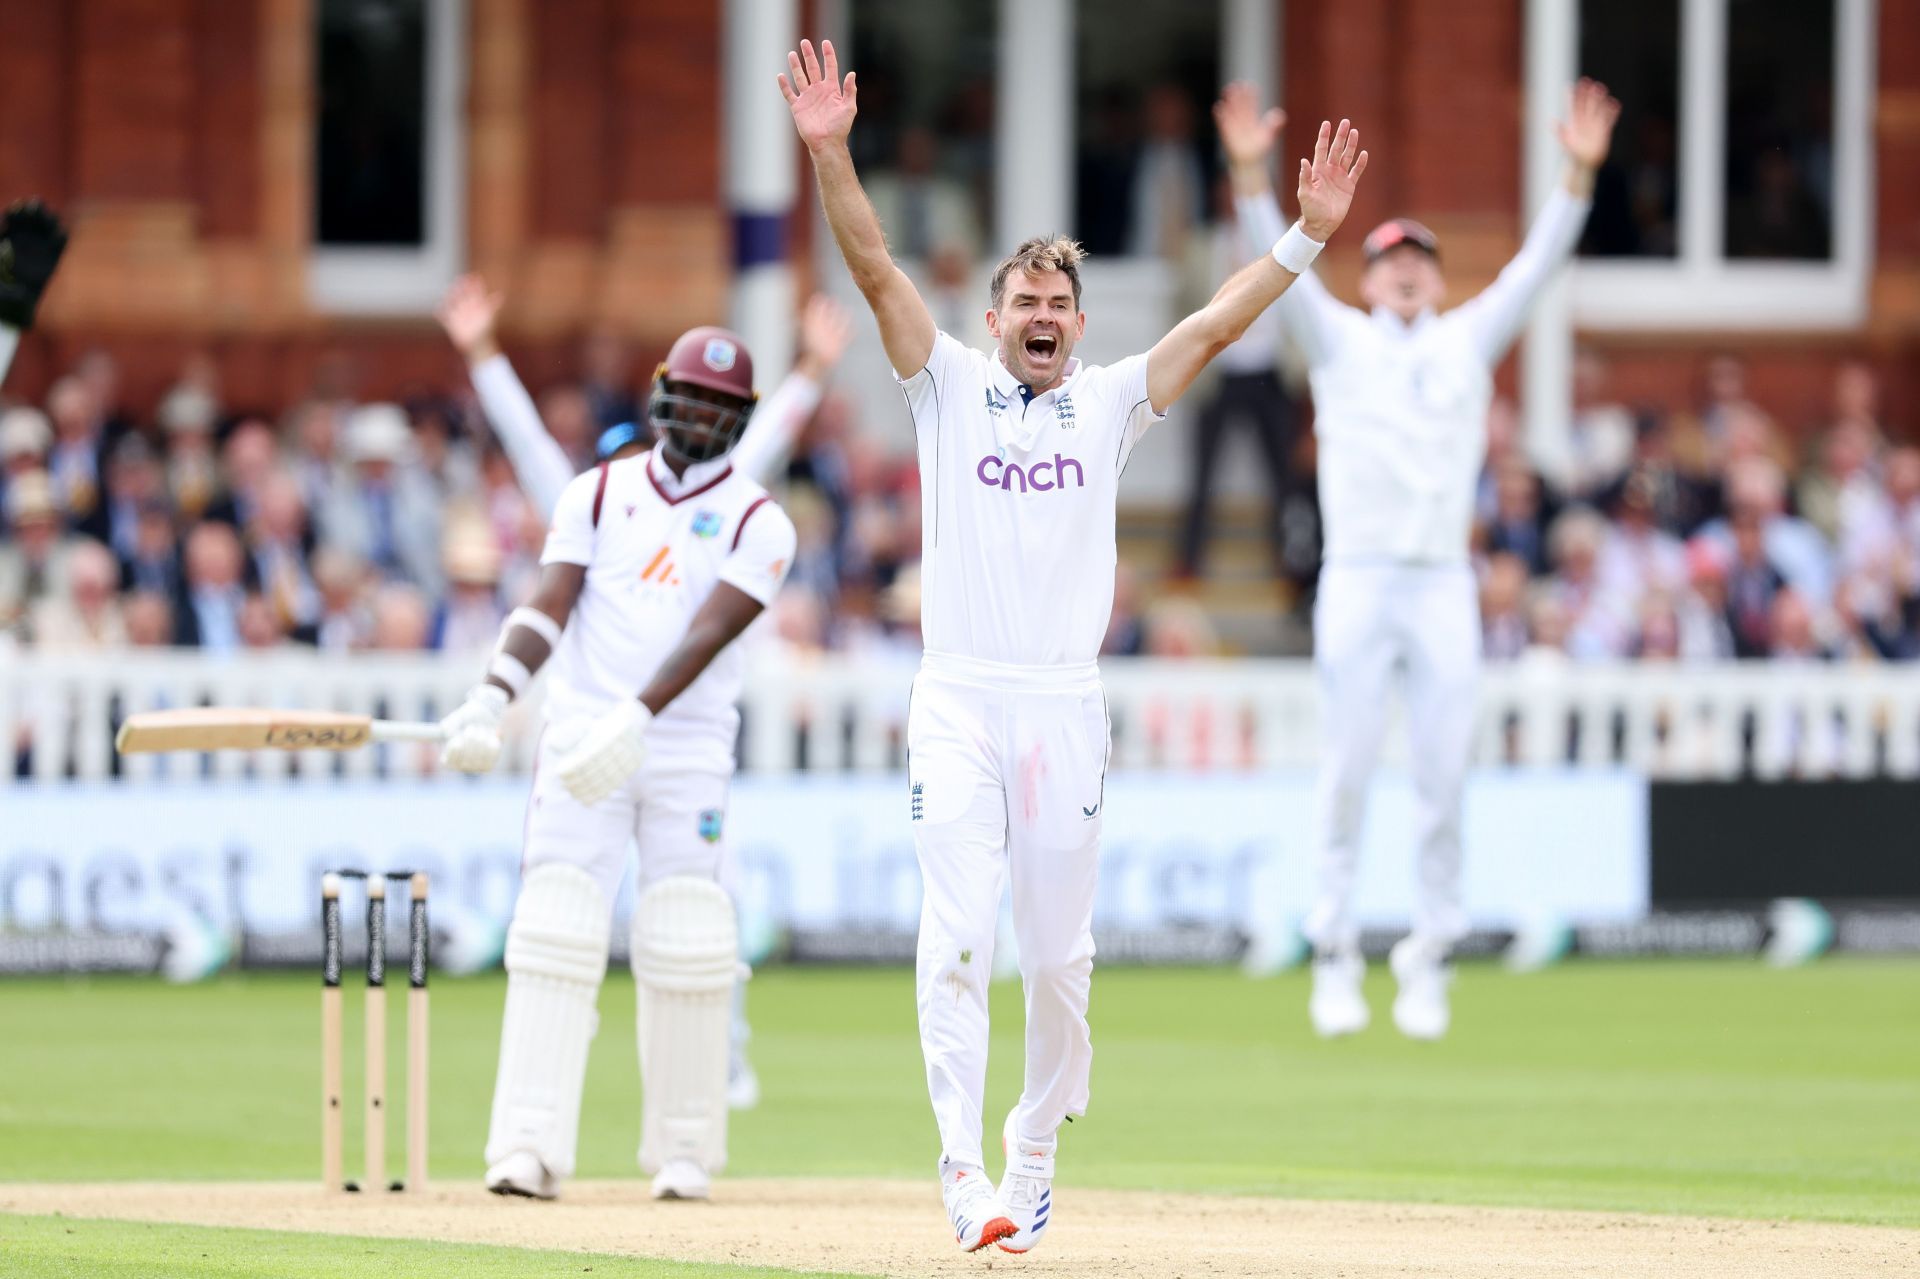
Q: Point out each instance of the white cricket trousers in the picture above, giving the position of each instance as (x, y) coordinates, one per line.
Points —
(675, 815)
(1006, 767)
(1378, 625)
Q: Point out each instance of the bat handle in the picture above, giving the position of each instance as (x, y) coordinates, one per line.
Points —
(391, 730)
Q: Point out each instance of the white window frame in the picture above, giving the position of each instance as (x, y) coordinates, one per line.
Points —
(1700, 288)
(411, 281)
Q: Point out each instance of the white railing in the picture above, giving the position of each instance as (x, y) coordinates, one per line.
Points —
(57, 714)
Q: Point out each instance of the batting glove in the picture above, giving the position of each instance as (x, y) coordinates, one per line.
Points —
(31, 241)
(470, 739)
(607, 754)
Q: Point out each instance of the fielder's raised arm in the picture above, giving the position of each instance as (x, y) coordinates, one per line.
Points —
(823, 106)
(1327, 184)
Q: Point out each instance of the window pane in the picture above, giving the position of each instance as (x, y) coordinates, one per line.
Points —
(1144, 154)
(1633, 47)
(371, 145)
(1780, 128)
(924, 144)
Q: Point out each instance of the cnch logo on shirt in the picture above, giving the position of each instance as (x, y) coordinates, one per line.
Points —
(660, 569)
(1042, 476)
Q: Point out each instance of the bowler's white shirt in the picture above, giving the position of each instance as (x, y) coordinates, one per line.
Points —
(1017, 497)
(1400, 410)
(662, 544)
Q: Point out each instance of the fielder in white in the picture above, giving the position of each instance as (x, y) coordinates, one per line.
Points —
(654, 564)
(1020, 458)
(1400, 397)
(470, 313)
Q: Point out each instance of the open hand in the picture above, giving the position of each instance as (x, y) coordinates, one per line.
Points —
(1327, 181)
(823, 105)
(468, 313)
(1587, 132)
(825, 330)
(1247, 134)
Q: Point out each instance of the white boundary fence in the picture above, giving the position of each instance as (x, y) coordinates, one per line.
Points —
(58, 712)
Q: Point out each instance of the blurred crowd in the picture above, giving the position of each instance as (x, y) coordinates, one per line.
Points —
(1698, 533)
(349, 526)
(1704, 533)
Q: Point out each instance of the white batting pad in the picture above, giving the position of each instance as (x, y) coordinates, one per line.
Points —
(556, 958)
(686, 958)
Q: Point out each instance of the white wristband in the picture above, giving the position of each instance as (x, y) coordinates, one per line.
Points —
(1296, 250)
(511, 671)
(537, 622)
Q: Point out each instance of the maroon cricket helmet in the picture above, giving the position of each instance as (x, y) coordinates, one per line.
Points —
(702, 427)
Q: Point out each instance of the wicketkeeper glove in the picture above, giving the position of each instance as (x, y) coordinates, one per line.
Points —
(607, 754)
(31, 241)
(472, 733)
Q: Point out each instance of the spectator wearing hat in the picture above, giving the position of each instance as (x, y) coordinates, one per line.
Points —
(346, 620)
(33, 558)
(383, 510)
(25, 437)
(76, 462)
(469, 619)
(187, 419)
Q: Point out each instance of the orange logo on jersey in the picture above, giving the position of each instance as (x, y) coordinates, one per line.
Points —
(660, 569)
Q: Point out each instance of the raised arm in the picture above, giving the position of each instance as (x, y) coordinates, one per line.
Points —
(824, 334)
(468, 314)
(823, 108)
(1248, 136)
(1495, 316)
(1327, 184)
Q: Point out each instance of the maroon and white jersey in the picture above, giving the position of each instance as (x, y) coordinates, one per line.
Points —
(655, 545)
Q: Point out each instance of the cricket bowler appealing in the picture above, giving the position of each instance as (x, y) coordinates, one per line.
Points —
(653, 565)
(1020, 456)
(1400, 399)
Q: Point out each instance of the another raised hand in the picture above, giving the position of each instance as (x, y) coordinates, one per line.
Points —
(468, 314)
(823, 105)
(1587, 132)
(1247, 134)
(1328, 181)
(825, 331)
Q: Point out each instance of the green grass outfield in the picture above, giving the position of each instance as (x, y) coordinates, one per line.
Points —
(1701, 1087)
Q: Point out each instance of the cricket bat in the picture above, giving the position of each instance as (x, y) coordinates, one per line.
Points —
(221, 729)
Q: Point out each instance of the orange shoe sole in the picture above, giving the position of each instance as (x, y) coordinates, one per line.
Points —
(994, 1231)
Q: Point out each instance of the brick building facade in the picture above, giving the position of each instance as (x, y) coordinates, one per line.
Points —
(176, 136)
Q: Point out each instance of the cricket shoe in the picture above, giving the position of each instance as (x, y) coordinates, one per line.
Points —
(1420, 1009)
(1337, 1007)
(682, 1179)
(521, 1173)
(978, 1216)
(1026, 1189)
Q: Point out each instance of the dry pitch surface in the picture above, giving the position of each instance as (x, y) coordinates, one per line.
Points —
(896, 1228)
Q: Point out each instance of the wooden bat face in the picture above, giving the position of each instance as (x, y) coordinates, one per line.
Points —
(216, 729)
